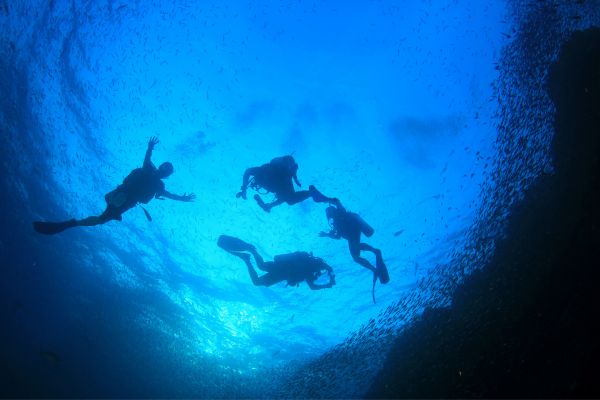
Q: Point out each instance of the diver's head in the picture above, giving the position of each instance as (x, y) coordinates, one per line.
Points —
(165, 170)
(290, 163)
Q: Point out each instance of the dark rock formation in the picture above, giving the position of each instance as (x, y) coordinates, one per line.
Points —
(525, 326)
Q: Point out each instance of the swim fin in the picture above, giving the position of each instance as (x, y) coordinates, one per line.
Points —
(230, 243)
(381, 270)
(51, 228)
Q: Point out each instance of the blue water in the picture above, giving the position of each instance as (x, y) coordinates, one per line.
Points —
(397, 108)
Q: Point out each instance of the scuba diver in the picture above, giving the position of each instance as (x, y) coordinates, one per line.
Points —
(293, 267)
(276, 177)
(349, 225)
(140, 186)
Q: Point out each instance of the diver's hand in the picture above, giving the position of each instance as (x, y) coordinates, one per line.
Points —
(152, 142)
(332, 279)
(241, 194)
(188, 197)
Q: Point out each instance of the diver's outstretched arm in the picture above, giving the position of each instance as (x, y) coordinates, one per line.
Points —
(148, 158)
(245, 180)
(184, 197)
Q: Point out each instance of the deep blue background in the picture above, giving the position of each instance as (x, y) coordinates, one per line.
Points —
(405, 111)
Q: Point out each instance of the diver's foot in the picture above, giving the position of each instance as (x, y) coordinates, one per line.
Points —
(261, 203)
(320, 197)
(335, 201)
(316, 195)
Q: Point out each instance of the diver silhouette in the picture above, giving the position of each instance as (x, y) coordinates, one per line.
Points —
(140, 186)
(276, 177)
(293, 267)
(349, 225)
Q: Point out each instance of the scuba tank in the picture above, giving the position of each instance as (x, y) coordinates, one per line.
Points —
(365, 228)
(292, 258)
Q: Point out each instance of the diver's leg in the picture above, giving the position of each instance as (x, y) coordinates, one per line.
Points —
(354, 246)
(260, 263)
(378, 257)
(267, 279)
(109, 213)
(265, 266)
(274, 203)
(381, 270)
(91, 221)
(247, 174)
(253, 275)
(285, 193)
(367, 247)
(296, 197)
(51, 228)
